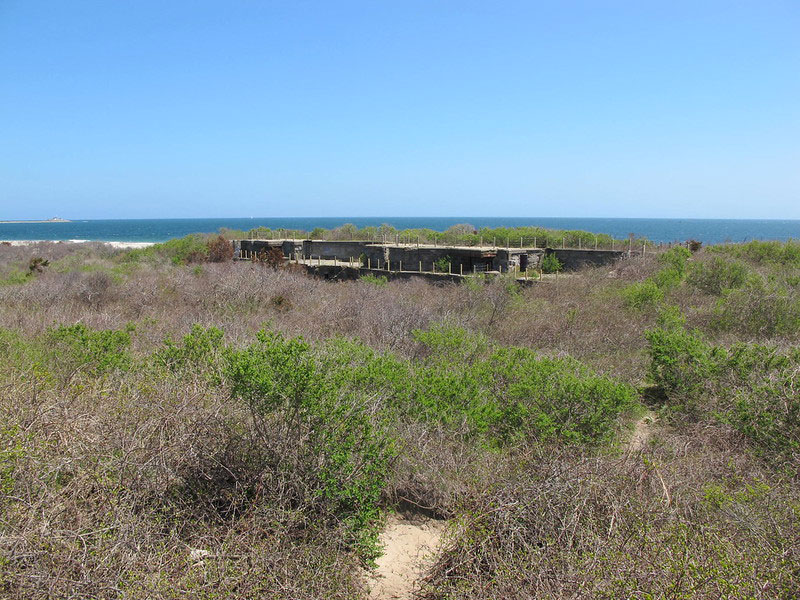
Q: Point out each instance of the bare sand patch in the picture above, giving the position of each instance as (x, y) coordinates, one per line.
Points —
(409, 546)
(642, 432)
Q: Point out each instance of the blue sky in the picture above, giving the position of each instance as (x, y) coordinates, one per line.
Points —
(143, 109)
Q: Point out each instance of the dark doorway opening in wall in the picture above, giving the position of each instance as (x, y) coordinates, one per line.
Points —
(523, 262)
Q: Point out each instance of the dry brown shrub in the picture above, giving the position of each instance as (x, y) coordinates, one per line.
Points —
(690, 516)
(137, 487)
(116, 481)
(96, 289)
(220, 249)
(271, 257)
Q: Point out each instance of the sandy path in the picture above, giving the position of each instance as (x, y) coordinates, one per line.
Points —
(642, 432)
(408, 547)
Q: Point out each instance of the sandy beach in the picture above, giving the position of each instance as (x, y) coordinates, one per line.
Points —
(121, 245)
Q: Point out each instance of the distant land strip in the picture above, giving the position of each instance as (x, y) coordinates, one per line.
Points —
(53, 220)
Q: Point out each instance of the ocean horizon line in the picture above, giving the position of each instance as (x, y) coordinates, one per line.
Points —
(361, 217)
(654, 229)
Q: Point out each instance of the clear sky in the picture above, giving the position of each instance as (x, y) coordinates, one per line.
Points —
(127, 109)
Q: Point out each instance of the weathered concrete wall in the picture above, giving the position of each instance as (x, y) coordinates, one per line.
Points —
(345, 273)
(342, 250)
(460, 259)
(288, 247)
(377, 255)
(466, 260)
(577, 259)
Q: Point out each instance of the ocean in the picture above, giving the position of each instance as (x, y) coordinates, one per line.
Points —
(708, 231)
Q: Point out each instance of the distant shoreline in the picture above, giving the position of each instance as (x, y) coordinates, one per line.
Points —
(113, 244)
(53, 220)
(160, 230)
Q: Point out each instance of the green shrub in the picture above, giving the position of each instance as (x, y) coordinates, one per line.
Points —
(650, 292)
(550, 263)
(750, 387)
(274, 374)
(377, 280)
(78, 348)
(768, 413)
(15, 277)
(442, 265)
(180, 251)
(667, 278)
(343, 444)
(553, 398)
(199, 350)
(642, 295)
(446, 343)
(508, 393)
(759, 308)
(717, 275)
(675, 258)
(680, 365)
(778, 253)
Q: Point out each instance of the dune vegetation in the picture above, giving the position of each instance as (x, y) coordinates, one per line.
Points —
(174, 424)
(462, 234)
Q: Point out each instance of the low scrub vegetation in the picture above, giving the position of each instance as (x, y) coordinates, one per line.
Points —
(194, 248)
(171, 426)
(750, 387)
(459, 234)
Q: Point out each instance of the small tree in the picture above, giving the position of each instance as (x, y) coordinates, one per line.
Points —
(461, 229)
(37, 265)
(694, 245)
(442, 264)
(551, 264)
(348, 231)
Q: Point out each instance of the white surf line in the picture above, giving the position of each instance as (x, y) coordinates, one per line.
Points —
(121, 245)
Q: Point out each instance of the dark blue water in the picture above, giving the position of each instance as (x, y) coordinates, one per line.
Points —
(708, 231)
